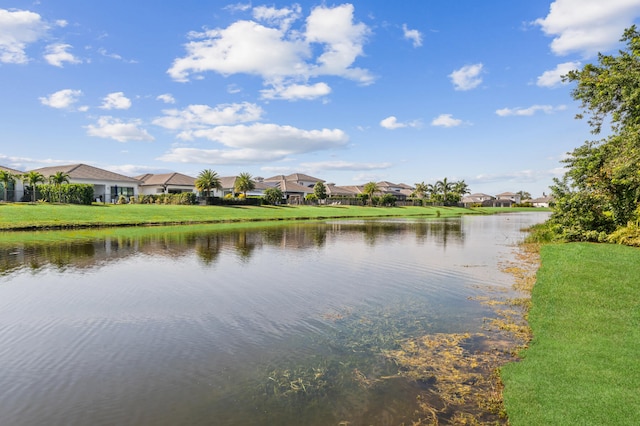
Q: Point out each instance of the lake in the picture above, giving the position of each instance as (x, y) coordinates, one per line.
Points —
(269, 325)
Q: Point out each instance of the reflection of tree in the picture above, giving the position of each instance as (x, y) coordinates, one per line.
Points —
(57, 248)
(208, 248)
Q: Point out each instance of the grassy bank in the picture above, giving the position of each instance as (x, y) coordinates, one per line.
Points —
(582, 365)
(23, 216)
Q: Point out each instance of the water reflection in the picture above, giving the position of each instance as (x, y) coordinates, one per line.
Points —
(61, 249)
(253, 326)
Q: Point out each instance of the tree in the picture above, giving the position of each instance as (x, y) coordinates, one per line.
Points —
(244, 182)
(460, 188)
(7, 178)
(273, 196)
(421, 190)
(320, 191)
(601, 189)
(369, 189)
(206, 181)
(31, 179)
(524, 195)
(57, 180)
(443, 189)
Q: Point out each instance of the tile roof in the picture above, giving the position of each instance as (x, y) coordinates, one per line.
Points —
(84, 171)
(175, 179)
(14, 171)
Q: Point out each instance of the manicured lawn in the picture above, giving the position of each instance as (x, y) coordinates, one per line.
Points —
(41, 215)
(583, 364)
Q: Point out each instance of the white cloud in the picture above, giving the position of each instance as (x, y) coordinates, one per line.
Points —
(414, 35)
(61, 99)
(467, 77)
(257, 143)
(297, 91)
(272, 137)
(282, 18)
(547, 109)
(278, 53)
(19, 28)
(587, 26)
(116, 100)
(112, 128)
(57, 54)
(446, 120)
(167, 98)
(392, 123)
(553, 78)
(203, 116)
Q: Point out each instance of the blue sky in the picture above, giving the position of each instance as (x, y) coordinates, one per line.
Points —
(410, 91)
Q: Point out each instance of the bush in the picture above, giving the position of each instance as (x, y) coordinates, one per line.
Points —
(70, 193)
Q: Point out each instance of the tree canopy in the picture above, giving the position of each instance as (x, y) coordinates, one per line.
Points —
(244, 182)
(206, 181)
(600, 192)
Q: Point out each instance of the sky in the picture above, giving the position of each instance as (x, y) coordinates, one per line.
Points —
(406, 92)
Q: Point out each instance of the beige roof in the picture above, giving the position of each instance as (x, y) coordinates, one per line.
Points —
(169, 179)
(301, 176)
(228, 182)
(290, 186)
(10, 170)
(340, 190)
(295, 177)
(84, 171)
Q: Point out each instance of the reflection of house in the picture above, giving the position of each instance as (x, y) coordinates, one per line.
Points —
(168, 183)
(107, 186)
(15, 190)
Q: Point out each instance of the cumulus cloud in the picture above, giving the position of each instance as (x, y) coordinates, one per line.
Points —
(116, 100)
(446, 120)
(392, 123)
(414, 35)
(587, 26)
(282, 18)
(123, 131)
(547, 109)
(167, 98)
(296, 91)
(57, 54)
(553, 78)
(203, 116)
(327, 45)
(467, 77)
(19, 28)
(257, 143)
(62, 99)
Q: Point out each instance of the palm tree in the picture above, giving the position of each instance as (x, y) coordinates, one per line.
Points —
(461, 188)
(207, 180)
(444, 187)
(370, 189)
(57, 180)
(31, 179)
(420, 191)
(6, 177)
(244, 182)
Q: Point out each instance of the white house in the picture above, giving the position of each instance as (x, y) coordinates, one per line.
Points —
(167, 183)
(15, 190)
(107, 186)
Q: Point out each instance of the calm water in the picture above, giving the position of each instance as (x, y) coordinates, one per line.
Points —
(261, 326)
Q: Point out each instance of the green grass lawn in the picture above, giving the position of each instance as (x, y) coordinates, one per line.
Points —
(41, 215)
(583, 364)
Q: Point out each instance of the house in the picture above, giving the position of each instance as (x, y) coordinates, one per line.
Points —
(544, 201)
(107, 186)
(297, 178)
(15, 190)
(477, 198)
(400, 190)
(516, 198)
(167, 183)
(228, 184)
